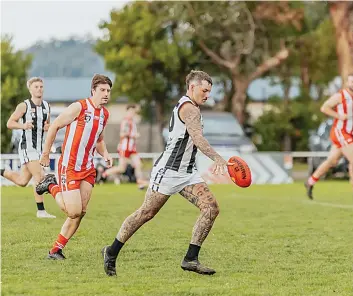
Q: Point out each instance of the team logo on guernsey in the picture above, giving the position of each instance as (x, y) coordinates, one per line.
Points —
(87, 117)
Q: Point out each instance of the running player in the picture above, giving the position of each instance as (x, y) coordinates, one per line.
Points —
(175, 172)
(127, 149)
(85, 121)
(340, 107)
(32, 117)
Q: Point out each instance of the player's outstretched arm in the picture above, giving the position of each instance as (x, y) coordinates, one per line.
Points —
(102, 150)
(191, 115)
(329, 105)
(64, 119)
(13, 123)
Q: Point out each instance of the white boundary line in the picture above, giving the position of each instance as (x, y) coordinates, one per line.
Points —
(308, 202)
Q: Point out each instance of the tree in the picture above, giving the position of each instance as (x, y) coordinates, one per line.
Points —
(14, 67)
(235, 37)
(312, 64)
(342, 19)
(148, 52)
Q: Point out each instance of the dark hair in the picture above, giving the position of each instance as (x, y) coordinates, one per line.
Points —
(198, 76)
(100, 79)
(130, 106)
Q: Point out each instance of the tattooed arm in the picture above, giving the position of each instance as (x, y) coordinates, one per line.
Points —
(191, 115)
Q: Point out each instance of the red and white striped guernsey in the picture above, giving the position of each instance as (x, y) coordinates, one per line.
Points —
(128, 143)
(345, 107)
(81, 137)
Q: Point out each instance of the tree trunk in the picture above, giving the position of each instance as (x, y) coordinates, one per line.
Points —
(287, 141)
(238, 99)
(227, 99)
(340, 14)
(304, 75)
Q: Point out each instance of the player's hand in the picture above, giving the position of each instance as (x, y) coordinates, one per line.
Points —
(28, 125)
(343, 116)
(219, 166)
(46, 126)
(108, 160)
(44, 159)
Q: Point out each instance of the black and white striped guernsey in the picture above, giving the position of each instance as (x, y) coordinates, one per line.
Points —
(33, 138)
(180, 152)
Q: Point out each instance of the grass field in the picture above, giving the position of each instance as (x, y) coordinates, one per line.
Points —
(268, 240)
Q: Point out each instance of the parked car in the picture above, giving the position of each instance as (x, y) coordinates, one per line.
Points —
(319, 140)
(59, 139)
(223, 131)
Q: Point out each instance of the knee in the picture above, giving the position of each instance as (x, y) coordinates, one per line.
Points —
(22, 183)
(74, 214)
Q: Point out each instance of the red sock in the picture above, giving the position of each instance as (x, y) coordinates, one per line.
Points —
(59, 244)
(312, 180)
(54, 189)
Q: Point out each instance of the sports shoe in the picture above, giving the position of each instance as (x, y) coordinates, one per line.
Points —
(43, 186)
(109, 262)
(309, 190)
(44, 214)
(57, 255)
(197, 267)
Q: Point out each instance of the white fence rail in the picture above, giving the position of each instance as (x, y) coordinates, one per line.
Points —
(266, 167)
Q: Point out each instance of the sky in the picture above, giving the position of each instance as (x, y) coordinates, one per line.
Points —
(31, 21)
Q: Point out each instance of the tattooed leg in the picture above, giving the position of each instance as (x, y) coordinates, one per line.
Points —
(201, 196)
(153, 202)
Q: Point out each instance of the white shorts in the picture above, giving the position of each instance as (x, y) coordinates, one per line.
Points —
(27, 155)
(169, 182)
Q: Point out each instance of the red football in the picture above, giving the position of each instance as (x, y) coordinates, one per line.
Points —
(239, 171)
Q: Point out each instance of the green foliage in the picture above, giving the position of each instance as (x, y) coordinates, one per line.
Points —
(296, 120)
(14, 66)
(313, 50)
(148, 52)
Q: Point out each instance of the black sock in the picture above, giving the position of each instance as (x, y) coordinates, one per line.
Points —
(115, 248)
(2, 172)
(40, 206)
(193, 252)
